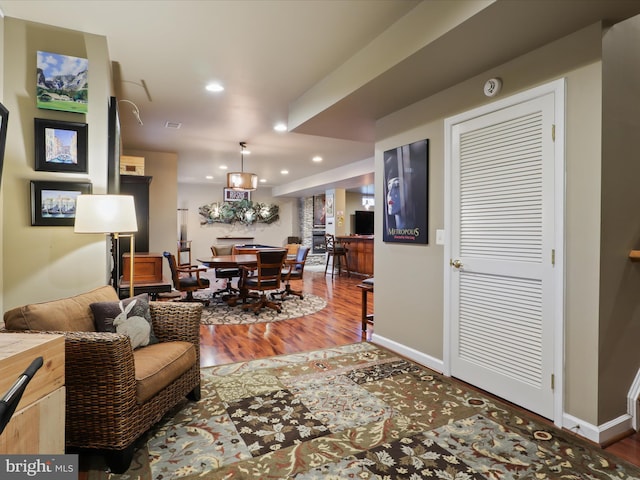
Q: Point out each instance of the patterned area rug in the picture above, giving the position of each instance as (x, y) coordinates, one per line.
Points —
(356, 412)
(219, 313)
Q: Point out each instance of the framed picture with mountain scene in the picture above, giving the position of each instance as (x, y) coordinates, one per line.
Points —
(54, 203)
(62, 82)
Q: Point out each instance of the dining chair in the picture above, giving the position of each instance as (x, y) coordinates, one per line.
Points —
(187, 278)
(293, 270)
(292, 249)
(226, 274)
(268, 277)
(183, 257)
(335, 252)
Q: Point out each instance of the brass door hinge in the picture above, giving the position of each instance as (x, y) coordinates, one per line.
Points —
(553, 132)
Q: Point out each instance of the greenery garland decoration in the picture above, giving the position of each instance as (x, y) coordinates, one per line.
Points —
(245, 212)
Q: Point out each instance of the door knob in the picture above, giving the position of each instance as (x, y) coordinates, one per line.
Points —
(455, 263)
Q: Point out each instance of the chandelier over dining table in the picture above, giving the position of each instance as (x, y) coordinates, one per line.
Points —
(242, 180)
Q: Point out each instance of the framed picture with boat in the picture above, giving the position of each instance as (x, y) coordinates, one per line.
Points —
(60, 146)
(54, 203)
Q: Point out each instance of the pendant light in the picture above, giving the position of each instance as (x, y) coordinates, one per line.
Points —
(242, 180)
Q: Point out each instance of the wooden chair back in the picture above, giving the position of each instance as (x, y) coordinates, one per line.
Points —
(332, 245)
(270, 263)
(173, 266)
(292, 249)
(217, 250)
(184, 252)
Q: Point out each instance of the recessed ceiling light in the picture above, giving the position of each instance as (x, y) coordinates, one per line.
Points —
(263, 180)
(284, 172)
(280, 127)
(317, 158)
(209, 177)
(214, 87)
(223, 167)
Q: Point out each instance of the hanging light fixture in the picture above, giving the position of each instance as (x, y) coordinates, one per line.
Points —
(242, 180)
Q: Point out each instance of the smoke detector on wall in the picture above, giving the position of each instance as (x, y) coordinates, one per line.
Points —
(492, 87)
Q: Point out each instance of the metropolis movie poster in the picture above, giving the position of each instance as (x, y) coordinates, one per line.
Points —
(406, 193)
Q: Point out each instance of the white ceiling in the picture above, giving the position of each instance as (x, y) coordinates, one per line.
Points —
(272, 55)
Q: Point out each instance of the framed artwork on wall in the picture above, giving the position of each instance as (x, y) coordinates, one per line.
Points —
(231, 195)
(114, 148)
(406, 190)
(62, 82)
(319, 213)
(328, 206)
(4, 119)
(60, 146)
(54, 203)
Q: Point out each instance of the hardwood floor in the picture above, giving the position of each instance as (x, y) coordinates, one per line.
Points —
(628, 448)
(337, 324)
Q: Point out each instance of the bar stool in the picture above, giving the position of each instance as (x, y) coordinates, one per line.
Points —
(336, 252)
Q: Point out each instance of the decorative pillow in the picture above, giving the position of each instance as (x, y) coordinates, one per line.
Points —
(135, 327)
(104, 313)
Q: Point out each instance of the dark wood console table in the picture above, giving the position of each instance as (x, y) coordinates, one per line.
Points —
(360, 253)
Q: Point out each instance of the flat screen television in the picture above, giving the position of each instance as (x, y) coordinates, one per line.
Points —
(364, 222)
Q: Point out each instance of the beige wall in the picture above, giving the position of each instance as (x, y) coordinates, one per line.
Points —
(163, 200)
(620, 278)
(42, 263)
(192, 197)
(414, 273)
(582, 241)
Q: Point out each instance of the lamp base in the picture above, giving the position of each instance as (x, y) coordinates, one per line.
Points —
(115, 265)
(132, 252)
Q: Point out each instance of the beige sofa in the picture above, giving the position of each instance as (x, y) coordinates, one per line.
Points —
(113, 392)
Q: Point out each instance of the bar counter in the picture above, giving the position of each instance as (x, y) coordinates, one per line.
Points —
(360, 253)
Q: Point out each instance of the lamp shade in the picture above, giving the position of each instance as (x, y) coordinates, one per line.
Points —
(242, 181)
(105, 214)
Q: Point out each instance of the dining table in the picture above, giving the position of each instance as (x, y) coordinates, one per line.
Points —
(239, 260)
(249, 260)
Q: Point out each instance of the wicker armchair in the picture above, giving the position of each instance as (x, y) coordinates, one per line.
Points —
(107, 408)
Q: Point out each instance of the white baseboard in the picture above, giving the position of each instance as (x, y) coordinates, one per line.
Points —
(419, 357)
(601, 434)
(632, 401)
(580, 427)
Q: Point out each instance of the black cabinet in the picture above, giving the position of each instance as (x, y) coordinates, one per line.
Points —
(138, 186)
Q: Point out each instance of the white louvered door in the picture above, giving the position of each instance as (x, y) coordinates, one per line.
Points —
(502, 281)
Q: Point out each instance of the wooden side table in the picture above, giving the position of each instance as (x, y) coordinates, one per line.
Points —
(37, 425)
(152, 288)
(366, 317)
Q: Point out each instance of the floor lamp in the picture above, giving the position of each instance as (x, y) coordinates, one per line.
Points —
(112, 214)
